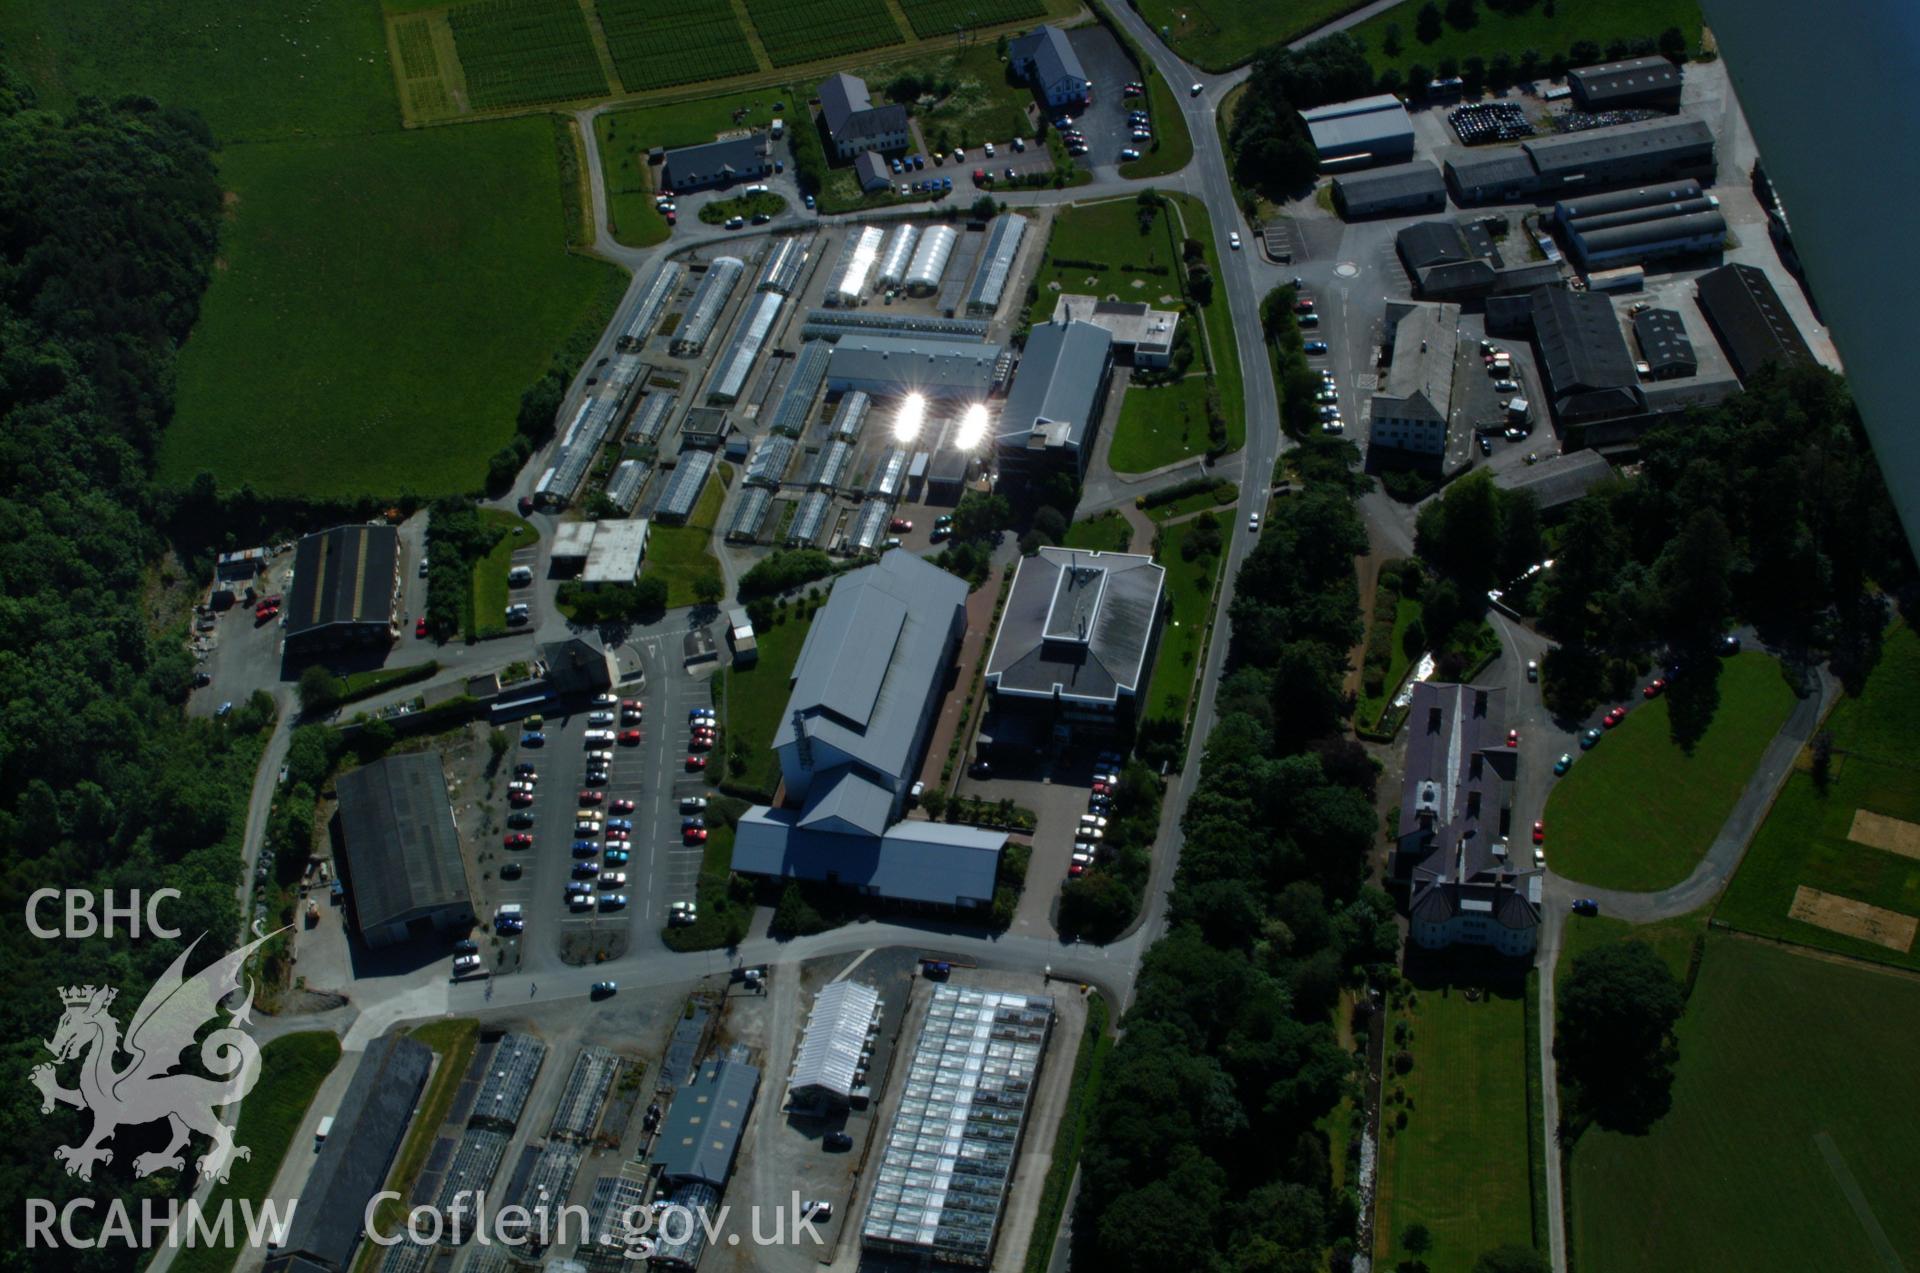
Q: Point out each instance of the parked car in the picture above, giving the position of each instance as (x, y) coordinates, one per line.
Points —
(420, 626)
(1586, 906)
(692, 804)
(1539, 833)
(1588, 739)
(837, 1142)
(1315, 346)
(1128, 154)
(693, 835)
(696, 762)
(621, 806)
(612, 901)
(510, 871)
(1614, 717)
(1533, 669)
(517, 840)
(899, 525)
(629, 737)
(1563, 764)
(1655, 688)
(605, 989)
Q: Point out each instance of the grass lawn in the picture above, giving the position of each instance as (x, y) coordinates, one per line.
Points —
(631, 218)
(1876, 766)
(1160, 425)
(452, 1041)
(1107, 532)
(684, 554)
(1636, 812)
(1789, 1141)
(1223, 495)
(1218, 317)
(1546, 29)
(1672, 939)
(752, 699)
(292, 1067)
(1189, 588)
(350, 342)
(490, 572)
(1460, 1165)
(1217, 35)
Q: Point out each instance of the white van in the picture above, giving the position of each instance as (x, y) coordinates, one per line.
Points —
(320, 1133)
(520, 576)
(599, 735)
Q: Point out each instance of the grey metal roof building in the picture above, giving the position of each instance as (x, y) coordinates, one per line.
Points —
(769, 461)
(944, 1171)
(1047, 58)
(701, 1133)
(871, 171)
(1749, 319)
(1489, 174)
(614, 556)
(1656, 236)
(1638, 81)
(1653, 151)
(1366, 130)
(854, 123)
(1664, 346)
(682, 493)
(803, 383)
(368, 1126)
(345, 589)
(931, 863)
(809, 517)
(1583, 355)
(827, 1065)
(869, 527)
(653, 300)
(1558, 480)
(1079, 629)
(1416, 186)
(749, 338)
(832, 324)
(709, 300)
(892, 366)
(1413, 406)
(1051, 413)
(1568, 211)
(404, 873)
(716, 163)
(750, 514)
(1448, 262)
(996, 263)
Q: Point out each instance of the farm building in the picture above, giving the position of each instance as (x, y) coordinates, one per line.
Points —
(1466, 887)
(1747, 316)
(401, 853)
(1664, 346)
(1141, 334)
(1045, 58)
(854, 124)
(1413, 405)
(892, 366)
(1052, 413)
(718, 163)
(1639, 81)
(1401, 189)
(1077, 637)
(962, 1118)
(345, 590)
(1367, 130)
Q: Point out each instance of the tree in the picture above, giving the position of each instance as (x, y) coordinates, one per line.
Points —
(498, 744)
(1390, 40)
(981, 516)
(319, 690)
(1427, 23)
(1614, 1039)
(1693, 577)
(1512, 1258)
(795, 916)
(1051, 523)
(1673, 45)
(1416, 1238)
(1460, 14)
(708, 589)
(1821, 767)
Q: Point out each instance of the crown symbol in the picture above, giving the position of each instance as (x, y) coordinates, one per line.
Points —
(81, 996)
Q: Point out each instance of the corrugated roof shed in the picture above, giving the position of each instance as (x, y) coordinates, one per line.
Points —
(1749, 318)
(1569, 153)
(403, 853)
(701, 1132)
(1372, 124)
(1399, 181)
(343, 576)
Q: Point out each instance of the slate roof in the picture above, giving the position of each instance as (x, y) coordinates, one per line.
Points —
(701, 1132)
(403, 853)
(850, 113)
(1052, 54)
(1558, 479)
(1584, 354)
(916, 860)
(1399, 181)
(1750, 319)
(343, 576)
(871, 170)
(1057, 386)
(1662, 336)
(1039, 651)
(735, 154)
(1490, 166)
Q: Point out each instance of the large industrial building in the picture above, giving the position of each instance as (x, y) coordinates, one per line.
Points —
(1045, 58)
(1052, 413)
(1584, 359)
(1412, 406)
(1625, 154)
(866, 691)
(1638, 81)
(717, 163)
(1077, 636)
(1368, 130)
(942, 1175)
(854, 124)
(403, 871)
(1450, 261)
(1466, 886)
(1141, 334)
(1747, 316)
(1400, 190)
(1556, 481)
(345, 590)
(895, 366)
(1644, 224)
(1664, 345)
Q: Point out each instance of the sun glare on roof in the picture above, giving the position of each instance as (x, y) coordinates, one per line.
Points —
(913, 411)
(973, 427)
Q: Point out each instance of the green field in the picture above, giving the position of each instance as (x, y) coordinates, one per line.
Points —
(298, 69)
(944, 17)
(1876, 766)
(1791, 1136)
(490, 591)
(525, 52)
(655, 45)
(754, 698)
(1189, 589)
(1218, 35)
(379, 306)
(1636, 812)
(292, 1068)
(808, 30)
(1368, 710)
(1672, 939)
(1160, 425)
(631, 216)
(701, 120)
(1543, 28)
(683, 554)
(1460, 1165)
(1107, 532)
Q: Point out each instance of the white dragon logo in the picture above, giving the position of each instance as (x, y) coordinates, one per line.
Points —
(146, 1090)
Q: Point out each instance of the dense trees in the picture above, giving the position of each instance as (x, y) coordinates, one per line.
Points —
(1271, 150)
(1614, 1037)
(784, 569)
(109, 221)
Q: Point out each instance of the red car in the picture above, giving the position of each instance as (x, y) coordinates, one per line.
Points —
(526, 505)
(615, 835)
(519, 840)
(264, 615)
(592, 797)
(1539, 833)
(701, 743)
(420, 628)
(693, 835)
(1513, 738)
(629, 737)
(696, 762)
(633, 705)
(519, 799)
(1304, 305)
(621, 806)
(1614, 717)
(1102, 789)
(1654, 688)
(1075, 870)
(899, 525)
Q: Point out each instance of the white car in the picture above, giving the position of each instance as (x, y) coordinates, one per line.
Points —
(989, 149)
(1196, 90)
(1092, 820)
(692, 804)
(605, 756)
(613, 879)
(466, 965)
(1084, 858)
(598, 736)
(1505, 386)
(1233, 240)
(1332, 426)
(520, 785)
(606, 700)
(1088, 835)
(599, 718)
(1253, 523)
